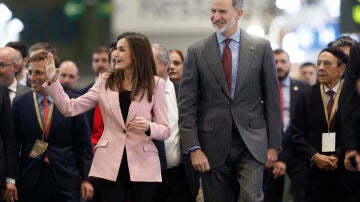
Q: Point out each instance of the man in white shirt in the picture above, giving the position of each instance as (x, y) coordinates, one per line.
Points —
(8, 68)
(175, 185)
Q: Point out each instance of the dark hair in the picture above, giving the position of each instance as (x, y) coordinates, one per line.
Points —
(179, 52)
(343, 41)
(41, 55)
(47, 47)
(18, 46)
(307, 64)
(143, 67)
(338, 53)
(279, 51)
(101, 49)
(112, 48)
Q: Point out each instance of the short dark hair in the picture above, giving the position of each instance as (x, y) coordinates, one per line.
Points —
(307, 64)
(17, 45)
(47, 47)
(279, 51)
(343, 41)
(101, 49)
(338, 53)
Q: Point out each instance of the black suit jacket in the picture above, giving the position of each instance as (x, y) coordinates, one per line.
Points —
(349, 102)
(306, 130)
(69, 149)
(8, 154)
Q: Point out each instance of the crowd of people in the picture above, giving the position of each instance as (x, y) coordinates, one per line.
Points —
(226, 122)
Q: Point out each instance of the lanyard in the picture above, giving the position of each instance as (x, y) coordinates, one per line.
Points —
(37, 110)
(334, 108)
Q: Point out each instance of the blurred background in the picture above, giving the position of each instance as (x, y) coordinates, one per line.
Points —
(77, 27)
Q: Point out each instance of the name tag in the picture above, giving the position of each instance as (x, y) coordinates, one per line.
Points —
(38, 148)
(328, 142)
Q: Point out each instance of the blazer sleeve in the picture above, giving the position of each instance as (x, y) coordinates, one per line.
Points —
(299, 130)
(271, 98)
(159, 127)
(74, 106)
(188, 103)
(7, 134)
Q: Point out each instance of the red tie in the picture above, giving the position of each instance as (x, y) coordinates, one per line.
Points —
(281, 101)
(227, 63)
(45, 113)
(330, 104)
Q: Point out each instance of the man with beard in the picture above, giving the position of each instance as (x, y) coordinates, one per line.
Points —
(229, 108)
(290, 90)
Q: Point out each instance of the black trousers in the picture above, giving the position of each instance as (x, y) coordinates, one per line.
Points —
(174, 187)
(47, 190)
(123, 188)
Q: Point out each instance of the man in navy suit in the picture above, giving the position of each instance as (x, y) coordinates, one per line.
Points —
(290, 90)
(60, 173)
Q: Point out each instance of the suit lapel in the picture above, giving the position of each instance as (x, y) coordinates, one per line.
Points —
(246, 53)
(135, 106)
(113, 100)
(294, 92)
(213, 59)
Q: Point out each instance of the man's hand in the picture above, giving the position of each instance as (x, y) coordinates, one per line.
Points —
(347, 163)
(87, 190)
(199, 161)
(324, 162)
(51, 71)
(271, 157)
(279, 169)
(10, 193)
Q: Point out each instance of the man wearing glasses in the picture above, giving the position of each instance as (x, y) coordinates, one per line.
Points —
(8, 69)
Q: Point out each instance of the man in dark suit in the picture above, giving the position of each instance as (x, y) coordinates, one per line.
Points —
(8, 154)
(60, 172)
(9, 58)
(290, 90)
(316, 134)
(229, 109)
(350, 110)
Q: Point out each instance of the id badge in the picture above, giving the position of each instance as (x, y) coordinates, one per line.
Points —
(38, 148)
(328, 142)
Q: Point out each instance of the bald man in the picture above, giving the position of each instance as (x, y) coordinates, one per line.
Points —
(9, 65)
(69, 74)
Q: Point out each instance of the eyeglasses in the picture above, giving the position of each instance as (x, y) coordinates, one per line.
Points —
(35, 72)
(3, 65)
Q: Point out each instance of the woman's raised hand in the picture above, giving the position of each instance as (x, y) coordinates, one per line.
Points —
(51, 71)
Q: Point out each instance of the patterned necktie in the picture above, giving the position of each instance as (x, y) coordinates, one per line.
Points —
(227, 62)
(330, 104)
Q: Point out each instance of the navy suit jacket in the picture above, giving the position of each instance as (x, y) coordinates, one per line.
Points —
(69, 150)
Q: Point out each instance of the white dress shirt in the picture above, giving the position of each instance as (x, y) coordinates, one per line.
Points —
(12, 90)
(172, 144)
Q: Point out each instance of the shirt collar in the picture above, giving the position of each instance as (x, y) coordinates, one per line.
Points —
(40, 98)
(234, 37)
(335, 89)
(12, 87)
(286, 81)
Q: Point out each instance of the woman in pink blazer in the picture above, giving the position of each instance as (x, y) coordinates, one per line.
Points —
(132, 102)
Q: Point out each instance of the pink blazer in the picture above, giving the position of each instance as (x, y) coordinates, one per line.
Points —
(142, 155)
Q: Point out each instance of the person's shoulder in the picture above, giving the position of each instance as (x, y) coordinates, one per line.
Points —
(24, 98)
(201, 43)
(252, 38)
(299, 83)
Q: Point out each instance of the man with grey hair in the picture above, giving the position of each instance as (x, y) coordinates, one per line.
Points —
(229, 108)
(8, 67)
(175, 186)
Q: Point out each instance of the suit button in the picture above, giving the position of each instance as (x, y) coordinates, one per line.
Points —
(124, 131)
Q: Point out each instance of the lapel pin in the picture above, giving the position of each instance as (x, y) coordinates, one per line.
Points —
(296, 88)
